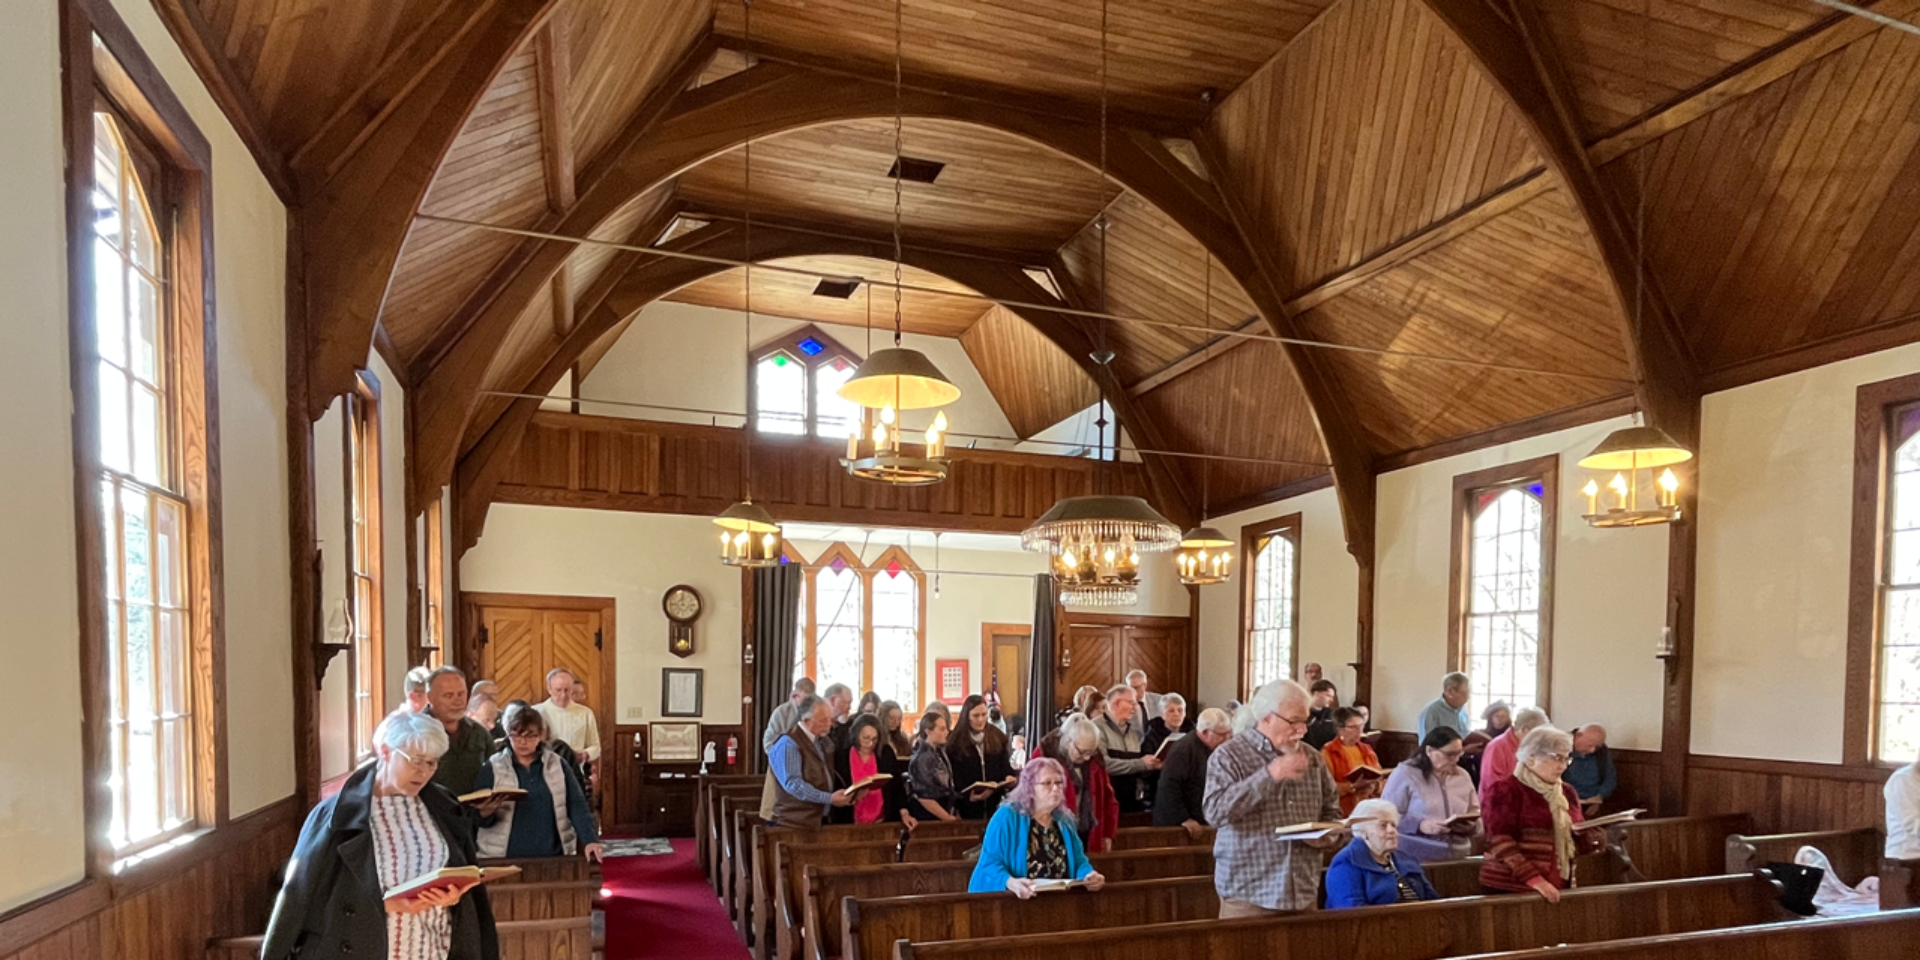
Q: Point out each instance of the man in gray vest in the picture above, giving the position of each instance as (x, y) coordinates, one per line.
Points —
(803, 771)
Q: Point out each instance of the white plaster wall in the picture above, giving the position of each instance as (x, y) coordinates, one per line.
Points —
(686, 356)
(1776, 517)
(1329, 598)
(1609, 596)
(41, 831)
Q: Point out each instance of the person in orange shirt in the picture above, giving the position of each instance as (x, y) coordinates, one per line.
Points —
(1347, 753)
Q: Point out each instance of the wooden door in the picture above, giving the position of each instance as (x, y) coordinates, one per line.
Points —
(1101, 648)
(1089, 657)
(1006, 650)
(512, 654)
(1164, 652)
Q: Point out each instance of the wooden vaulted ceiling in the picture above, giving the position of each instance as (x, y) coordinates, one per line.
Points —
(1443, 180)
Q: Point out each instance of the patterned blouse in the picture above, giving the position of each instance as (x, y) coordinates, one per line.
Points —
(406, 844)
(1046, 853)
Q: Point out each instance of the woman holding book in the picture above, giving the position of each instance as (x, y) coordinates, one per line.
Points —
(1355, 767)
(1372, 871)
(553, 819)
(1031, 838)
(979, 754)
(388, 825)
(930, 775)
(1531, 819)
(1172, 723)
(868, 755)
(1439, 808)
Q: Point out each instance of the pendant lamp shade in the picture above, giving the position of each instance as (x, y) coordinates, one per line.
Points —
(900, 378)
(1101, 518)
(1636, 448)
(1204, 537)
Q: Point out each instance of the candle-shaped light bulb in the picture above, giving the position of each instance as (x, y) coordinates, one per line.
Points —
(767, 542)
(1107, 557)
(1592, 490)
(726, 542)
(1619, 487)
(1669, 482)
(879, 435)
(940, 421)
(740, 540)
(1066, 559)
(886, 414)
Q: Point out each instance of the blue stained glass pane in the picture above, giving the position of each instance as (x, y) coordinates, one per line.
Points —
(811, 347)
(1538, 490)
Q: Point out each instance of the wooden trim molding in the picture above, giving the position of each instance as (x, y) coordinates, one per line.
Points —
(1874, 405)
(1288, 527)
(1545, 471)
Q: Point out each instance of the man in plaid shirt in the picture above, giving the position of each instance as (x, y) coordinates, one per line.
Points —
(1262, 779)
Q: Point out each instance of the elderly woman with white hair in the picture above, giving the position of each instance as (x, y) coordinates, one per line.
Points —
(1089, 790)
(1172, 723)
(389, 824)
(1529, 820)
(1497, 762)
(1031, 837)
(1372, 871)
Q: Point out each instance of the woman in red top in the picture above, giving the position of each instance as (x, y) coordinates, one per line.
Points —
(867, 754)
(1529, 820)
(1090, 796)
(1347, 753)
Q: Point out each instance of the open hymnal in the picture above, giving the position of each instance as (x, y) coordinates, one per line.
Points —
(1461, 818)
(1372, 734)
(991, 784)
(1313, 830)
(870, 780)
(504, 793)
(1041, 886)
(1610, 819)
(1161, 752)
(457, 879)
(1364, 773)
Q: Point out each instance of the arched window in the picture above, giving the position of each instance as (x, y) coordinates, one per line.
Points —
(864, 624)
(1504, 541)
(795, 379)
(1270, 606)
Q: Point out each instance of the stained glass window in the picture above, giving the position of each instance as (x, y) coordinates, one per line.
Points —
(1502, 651)
(796, 384)
(1271, 608)
(780, 395)
(1899, 654)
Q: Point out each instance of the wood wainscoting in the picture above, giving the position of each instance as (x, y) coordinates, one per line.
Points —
(612, 463)
(222, 889)
(657, 799)
(1782, 796)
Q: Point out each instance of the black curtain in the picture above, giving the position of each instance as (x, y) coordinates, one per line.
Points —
(776, 623)
(1046, 598)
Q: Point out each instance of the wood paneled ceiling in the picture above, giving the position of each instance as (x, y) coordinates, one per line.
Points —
(791, 295)
(1371, 174)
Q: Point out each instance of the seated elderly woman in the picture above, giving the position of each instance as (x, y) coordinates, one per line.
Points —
(554, 819)
(388, 824)
(1372, 870)
(1439, 809)
(1031, 837)
(1090, 796)
(1529, 818)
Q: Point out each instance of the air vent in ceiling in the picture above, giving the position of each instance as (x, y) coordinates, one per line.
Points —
(837, 289)
(916, 170)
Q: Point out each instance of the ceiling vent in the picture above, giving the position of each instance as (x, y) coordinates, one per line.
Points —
(837, 289)
(916, 170)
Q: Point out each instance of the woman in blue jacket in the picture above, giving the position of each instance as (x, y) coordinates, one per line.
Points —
(1031, 837)
(1372, 871)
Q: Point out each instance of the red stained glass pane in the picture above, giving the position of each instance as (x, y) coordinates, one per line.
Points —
(893, 569)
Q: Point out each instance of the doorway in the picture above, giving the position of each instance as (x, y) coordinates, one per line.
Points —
(515, 638)
(1006, 653)
(1099, 650)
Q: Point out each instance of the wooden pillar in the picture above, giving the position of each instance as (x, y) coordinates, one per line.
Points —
(1676, 713)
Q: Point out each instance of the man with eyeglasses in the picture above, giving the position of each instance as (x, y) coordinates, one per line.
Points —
(1262, 779)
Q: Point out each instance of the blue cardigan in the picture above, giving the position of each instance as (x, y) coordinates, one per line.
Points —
(1003, 852)
(1356, 879)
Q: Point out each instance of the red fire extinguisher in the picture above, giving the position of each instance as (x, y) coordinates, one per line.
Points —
(733, 749)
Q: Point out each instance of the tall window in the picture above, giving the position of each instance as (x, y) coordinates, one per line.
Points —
(363, 574)
(795, 379)
(1502, 605)
(433, 628)
(1269, 601)
(1883, 644)
(143, 504)
(864, 624)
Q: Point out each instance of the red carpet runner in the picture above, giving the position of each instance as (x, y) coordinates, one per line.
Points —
(661, 908)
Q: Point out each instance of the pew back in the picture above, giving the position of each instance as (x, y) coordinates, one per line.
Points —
(759, 893)
(569, 938)
(1872, 936)
(710, 821)
(1855, 854)
(1670, 848)
(545, 870)
(543, 901)
(1422, 931)
(792, 857)
(868, 928)
(1148, 838)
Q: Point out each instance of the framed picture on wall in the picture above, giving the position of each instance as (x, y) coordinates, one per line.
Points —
(682, 690)
(673, 742)
(950, 678)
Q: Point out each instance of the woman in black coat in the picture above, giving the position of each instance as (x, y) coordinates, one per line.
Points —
(332, 903)
(979, 753)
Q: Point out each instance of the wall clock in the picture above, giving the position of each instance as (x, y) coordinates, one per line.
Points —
(682, 605)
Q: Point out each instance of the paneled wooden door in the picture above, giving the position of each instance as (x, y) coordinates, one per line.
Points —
(1006, 650)
(517, 638)
(1100, 649)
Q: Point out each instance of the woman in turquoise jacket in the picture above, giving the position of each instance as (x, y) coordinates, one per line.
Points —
(1032, 838)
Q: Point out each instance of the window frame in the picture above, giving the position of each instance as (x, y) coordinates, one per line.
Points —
(1466, 486)
(360, 419)
(1290, 527)
(432, 650)
(789, 344)
(105, 66)
(1875, 405)
(867, 572)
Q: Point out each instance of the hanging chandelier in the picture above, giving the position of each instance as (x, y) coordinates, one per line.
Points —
(1206, 555)
(749, 536)
(1631, 455)
(897, 378)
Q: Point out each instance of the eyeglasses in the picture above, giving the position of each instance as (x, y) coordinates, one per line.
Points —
(1451, 754)
(1050, 783)
(1559, 758)
(1292, 722)
(425, 766)
(524, 737)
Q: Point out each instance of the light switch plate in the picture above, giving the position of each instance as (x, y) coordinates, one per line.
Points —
(633, 713)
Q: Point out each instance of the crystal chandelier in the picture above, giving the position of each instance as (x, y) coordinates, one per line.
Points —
(896, 378)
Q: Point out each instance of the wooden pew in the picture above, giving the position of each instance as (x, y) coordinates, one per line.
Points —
(1419, 931)
(1855, 854)
(1899, 884)
(1670, 848)
(546, 870)
(1461, 878)
(869, 926)
(1150, 838)
(567, 938)
(1836, 938)
(791, 857)
(754, 878)
(543, 901)
(707, 818)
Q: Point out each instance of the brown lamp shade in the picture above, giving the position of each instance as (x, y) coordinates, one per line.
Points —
(748, 516)
(1204, 537)
(900, 378)
(1636, 448)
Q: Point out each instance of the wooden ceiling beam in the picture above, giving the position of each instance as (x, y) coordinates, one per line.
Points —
(1024, 257)
(191, 31)
(356, 218)
(554, 60)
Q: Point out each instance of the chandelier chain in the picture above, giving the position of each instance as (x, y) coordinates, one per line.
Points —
(899, 154)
